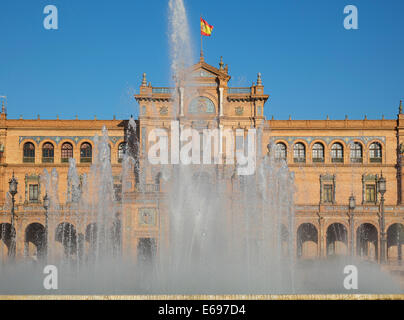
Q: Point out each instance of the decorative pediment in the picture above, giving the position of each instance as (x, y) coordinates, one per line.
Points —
(201, 73)
(204, 70)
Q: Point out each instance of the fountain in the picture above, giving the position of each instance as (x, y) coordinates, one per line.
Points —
(220, 233)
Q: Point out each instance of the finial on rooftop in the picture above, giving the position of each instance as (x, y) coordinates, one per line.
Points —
(259, 79)
(144, 80)
(400, 108)
(3, 107)
(221, 64)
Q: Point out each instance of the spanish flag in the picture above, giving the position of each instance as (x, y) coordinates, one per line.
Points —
(206, 28)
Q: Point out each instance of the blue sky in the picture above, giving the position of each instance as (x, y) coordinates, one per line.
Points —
(311, 66)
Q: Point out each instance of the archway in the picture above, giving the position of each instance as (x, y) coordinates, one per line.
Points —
(366, 241)
(337, 239)
(146, 250)
(395, 242)
(284, 238)
(66, 234)
(35, 241)
(307, 241)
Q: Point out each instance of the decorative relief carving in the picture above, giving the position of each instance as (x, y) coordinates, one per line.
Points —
(147, 217)
(163, 111)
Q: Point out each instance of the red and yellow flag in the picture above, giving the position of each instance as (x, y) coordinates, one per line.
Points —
(206, 28)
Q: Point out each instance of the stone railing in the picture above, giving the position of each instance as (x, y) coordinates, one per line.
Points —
(147, 188)
(238, 90)
(163, 90)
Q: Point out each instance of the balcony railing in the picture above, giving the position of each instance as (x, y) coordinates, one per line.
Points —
(356, 160)
(318, 160)
(299, 160)
(375, 160)
(86, 159)
(238, 90)
(163, 90)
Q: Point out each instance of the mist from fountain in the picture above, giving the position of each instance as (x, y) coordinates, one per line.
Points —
(220, 232)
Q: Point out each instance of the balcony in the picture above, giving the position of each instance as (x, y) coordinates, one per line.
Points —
(86, 160)
(47, 159)
(337, 160)
(147, 188)
(28, 159)
(318, 160)
(299, 160)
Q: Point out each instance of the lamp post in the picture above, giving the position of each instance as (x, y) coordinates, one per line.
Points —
(46, 207)
(381, 186)
(13, 185)
(352, 206)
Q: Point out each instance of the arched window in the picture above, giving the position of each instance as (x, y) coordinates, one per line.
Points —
(375, 152)
(67, 152)
(318, 152)
(299, 152)
(48, 153)
(86, 153)
(29, 153)
(121, 151)
(280, 151)
(356, 153)
(337, 153)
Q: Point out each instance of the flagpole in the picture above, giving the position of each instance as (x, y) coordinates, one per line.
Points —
(201, 39)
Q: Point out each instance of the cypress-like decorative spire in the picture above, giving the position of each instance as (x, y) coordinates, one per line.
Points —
(259, 79)
(3, 106)
(221, 64)
(400, 108)
(144, 80)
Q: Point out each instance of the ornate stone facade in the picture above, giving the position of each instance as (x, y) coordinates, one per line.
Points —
(332, 160)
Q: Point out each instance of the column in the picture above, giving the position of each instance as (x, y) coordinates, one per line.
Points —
(181, 102)
(221, 101)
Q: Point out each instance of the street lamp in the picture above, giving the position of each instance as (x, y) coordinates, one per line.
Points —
(352, 206)
(46, 207)
(381, 187)
(13, 185)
